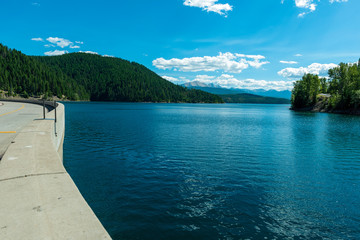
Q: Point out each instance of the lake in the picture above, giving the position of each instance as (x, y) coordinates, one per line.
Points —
(226, 171)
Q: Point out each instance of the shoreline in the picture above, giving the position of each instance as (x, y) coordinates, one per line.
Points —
(18, 98)
(353, 112)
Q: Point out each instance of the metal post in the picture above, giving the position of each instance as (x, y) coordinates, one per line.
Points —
(55, 111)
(44, 108)
(55, 119)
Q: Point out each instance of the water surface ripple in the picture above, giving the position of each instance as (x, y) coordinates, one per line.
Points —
(198, 171)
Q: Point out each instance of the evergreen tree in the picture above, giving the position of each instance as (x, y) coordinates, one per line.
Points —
(80, 76)
(115, 79)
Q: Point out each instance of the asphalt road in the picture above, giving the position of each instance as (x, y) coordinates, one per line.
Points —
(14, 117)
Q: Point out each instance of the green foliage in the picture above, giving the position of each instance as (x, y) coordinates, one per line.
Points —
(334, 100)
(305, 91)
(115, 79)
(25, 94)
(81, 76)
(344, 81)
(20, 74)
(343, 86)
(251, 98)
(323, 85)
(355, 99)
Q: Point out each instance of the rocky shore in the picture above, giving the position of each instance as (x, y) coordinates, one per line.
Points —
(323, 106)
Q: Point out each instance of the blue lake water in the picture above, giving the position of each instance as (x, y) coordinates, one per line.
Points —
(227, 171)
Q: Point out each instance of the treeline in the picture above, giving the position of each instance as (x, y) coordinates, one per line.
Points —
(115, 79)
(81, 76)
(23, 75)
(341, 89)
(252, 98)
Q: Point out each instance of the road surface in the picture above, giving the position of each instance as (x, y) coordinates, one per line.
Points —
(14, 117)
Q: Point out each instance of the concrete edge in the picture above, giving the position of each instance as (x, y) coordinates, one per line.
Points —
(38, 195)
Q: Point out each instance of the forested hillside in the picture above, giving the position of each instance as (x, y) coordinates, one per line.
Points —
(21, 74)
(81, 76)
(340, 91)
(115, 79)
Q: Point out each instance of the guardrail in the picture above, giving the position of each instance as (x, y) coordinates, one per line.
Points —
(50, 105)
(38, 196)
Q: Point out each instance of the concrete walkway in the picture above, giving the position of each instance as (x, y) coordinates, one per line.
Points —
(38, 199)
(13, 117)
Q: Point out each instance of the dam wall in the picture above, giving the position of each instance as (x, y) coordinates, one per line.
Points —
(39, 200)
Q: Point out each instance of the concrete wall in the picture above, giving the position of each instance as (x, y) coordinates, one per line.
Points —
(38, 198)
(58, 129)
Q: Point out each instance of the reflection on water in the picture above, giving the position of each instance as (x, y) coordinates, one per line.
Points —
(197, 171)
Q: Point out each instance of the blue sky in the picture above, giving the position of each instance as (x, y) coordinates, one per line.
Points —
(233, 43)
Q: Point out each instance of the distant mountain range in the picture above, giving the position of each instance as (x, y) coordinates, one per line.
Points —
(215, 89)
(81, 76)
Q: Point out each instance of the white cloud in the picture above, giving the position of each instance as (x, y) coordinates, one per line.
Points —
(35, 4)
(339, 1)
(227, 62)
(55, 53)
(298, 55)
(207, 78)
(250, 56)
(307, 4)
(288, 62)
(89, 52)
(256, 63)
(302, 14)
(310, 5)
(37, 39)
(209, 6)
(110, 56)
(315, 68)
(229, 81)
(173, 80)
(61, 42)
(184, 79)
